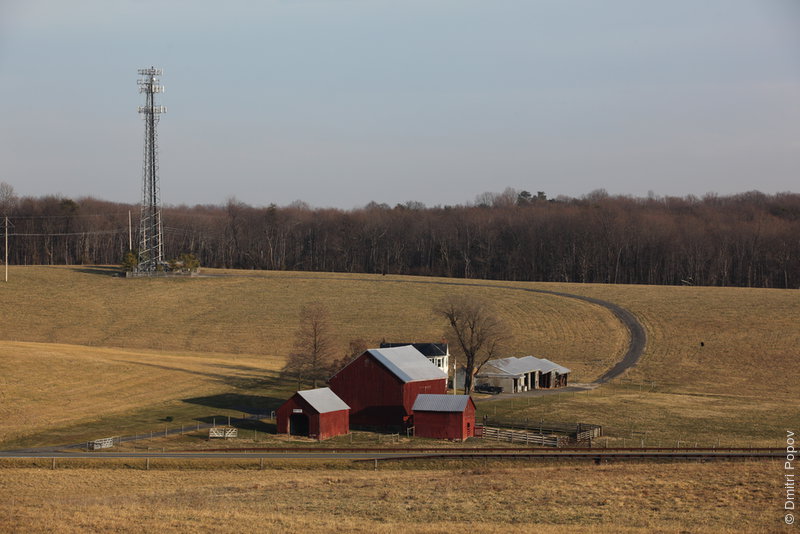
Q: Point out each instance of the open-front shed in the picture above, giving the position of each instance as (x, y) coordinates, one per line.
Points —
(522, 374)
(316, 413)
(444, 416)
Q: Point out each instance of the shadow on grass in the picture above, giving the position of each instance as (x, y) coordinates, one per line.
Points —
(240, 423)
(104, 270)
(243, 382)
(247, 404)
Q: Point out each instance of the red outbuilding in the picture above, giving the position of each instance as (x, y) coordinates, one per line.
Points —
(381, 385)
(444, 416)
(316, 413)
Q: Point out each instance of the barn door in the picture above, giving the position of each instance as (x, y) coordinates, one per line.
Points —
(298, 424)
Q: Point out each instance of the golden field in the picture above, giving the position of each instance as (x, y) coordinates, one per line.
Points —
(494, 498)
(84, 354)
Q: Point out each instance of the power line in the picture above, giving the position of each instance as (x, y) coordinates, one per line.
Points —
(88, 215)
(97, 232)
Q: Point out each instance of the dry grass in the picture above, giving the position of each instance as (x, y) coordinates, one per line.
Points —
(206, 336)
(53, 389)
(492, 498)
(85, 354)
(738, 389)
(751, 337)
(257, 313)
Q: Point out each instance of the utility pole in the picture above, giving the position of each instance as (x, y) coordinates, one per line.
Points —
(455, 376)
(6, 225)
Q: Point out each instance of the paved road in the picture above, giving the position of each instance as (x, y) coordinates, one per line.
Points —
(595, 454)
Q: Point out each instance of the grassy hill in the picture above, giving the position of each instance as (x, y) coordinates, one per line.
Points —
(82, 350)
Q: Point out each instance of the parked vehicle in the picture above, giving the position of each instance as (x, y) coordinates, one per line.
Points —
(486, 388)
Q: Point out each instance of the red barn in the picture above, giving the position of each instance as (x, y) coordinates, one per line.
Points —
(316, 413)
(381, 385)
(444, 416)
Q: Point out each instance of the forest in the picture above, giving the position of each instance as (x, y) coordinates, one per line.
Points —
(749, 239)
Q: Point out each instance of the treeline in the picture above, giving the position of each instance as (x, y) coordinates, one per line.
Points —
(750, 239)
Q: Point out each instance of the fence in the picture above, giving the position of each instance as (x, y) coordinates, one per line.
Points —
(522, 436)
(103, 443)
(173, 430)
(223, 432)
(578, 432)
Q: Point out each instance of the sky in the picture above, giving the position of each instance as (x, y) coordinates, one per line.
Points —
(337, 103)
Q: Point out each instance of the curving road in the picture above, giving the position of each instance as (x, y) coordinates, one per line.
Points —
(636, 332)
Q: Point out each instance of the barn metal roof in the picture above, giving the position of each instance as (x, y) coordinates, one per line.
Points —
(440, 403)
(513, 366)
(519, 366)
(551, 365)
(408, 364)
(323, 400)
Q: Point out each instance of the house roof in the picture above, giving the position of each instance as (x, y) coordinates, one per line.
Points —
(427, 349)
(440, 403)
(323, 400)
(407, 363)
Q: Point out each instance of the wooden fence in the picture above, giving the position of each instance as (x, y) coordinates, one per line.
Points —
(223, 432)
(577, 432)
(521, 436)
(103, 443)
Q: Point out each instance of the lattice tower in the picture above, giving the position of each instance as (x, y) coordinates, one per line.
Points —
(151, 245)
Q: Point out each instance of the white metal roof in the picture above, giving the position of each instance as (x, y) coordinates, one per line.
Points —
(514, 366)
(519, 366)
(440, 403)
(551, 365)
(408, 364)
(323, 400)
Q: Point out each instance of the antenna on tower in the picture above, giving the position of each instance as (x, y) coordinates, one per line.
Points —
(151, 251)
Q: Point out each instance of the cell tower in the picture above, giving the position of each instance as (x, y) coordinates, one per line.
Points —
(151, 249)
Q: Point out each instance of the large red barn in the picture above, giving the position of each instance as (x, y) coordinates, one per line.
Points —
(381, 385)
(444, 416)
(316, 413)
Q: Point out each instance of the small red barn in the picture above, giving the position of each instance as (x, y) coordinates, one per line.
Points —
(444, 416)
(316, 413)
(381, 385)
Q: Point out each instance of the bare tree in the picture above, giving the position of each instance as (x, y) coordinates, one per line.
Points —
(314, 345)
(356, 348)
(8, 199)
(478, 333)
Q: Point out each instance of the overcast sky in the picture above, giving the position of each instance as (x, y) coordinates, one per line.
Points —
(340, 102)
